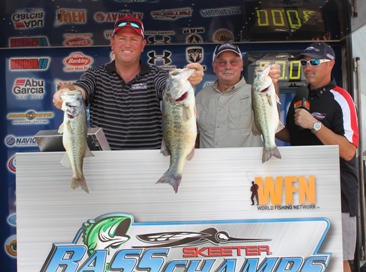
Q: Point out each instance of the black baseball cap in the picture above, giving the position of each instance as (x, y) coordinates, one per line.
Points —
(318, 50)
(226, 47)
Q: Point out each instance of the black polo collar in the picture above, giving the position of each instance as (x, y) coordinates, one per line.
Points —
(320, 91)
(111, 67)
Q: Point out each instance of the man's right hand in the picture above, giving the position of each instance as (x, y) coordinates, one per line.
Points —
(57, 100)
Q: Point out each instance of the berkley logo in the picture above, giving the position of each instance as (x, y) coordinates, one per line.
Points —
(78, 41)
(78, 59)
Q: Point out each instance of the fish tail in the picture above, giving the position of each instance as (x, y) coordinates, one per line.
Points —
(173, 180)
(269, 152)
(79, 182)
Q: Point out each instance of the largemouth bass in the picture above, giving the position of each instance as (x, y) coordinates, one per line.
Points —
(74, 138)
(266, 114)
(179, 125)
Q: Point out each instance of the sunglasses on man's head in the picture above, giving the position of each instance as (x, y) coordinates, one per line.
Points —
(313, 62)
(124, 23)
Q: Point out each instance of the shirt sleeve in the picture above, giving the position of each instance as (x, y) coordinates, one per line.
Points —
(349, 114)
(87, 81)
(160, 82)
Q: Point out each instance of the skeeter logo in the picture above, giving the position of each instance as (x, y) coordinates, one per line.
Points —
(113, 242)
(12, 219)
(11, 165)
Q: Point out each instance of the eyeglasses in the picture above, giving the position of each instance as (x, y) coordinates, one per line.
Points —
(223, 63)
(124, 23)
(313, 62)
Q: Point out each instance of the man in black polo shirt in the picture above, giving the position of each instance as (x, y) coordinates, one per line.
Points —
(124, 95)
(332, 120)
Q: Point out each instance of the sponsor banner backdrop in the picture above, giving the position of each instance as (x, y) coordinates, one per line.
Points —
(49, 43)
(32, 77)
(83, 23)
(231, 212)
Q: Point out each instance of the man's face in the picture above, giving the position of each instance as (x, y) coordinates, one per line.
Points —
(127, 45)
(228, 67)
(320, 75)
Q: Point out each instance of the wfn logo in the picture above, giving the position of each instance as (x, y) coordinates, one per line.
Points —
(273, 190)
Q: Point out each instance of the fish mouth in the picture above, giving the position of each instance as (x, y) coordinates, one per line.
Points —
(264, 90)
(72, 110)
(182, 97)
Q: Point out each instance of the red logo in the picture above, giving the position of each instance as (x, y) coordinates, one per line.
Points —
(78, 59)
(79, 41)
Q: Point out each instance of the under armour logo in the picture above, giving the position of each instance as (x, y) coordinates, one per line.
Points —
(165, 57)
(152, 40)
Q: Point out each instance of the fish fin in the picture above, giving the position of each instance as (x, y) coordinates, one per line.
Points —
(164, 150)
(79, 182)
(190, 155)
(173, 180)
(269, 99)
(65, 161)
(279, 127)
(187, 114)
(88, 153)
(255, 129)
(61, 128)
(195, 112)
(277, 99)
(269, 152)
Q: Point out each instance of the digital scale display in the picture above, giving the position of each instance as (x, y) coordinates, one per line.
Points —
(291, 70)
(283, 20)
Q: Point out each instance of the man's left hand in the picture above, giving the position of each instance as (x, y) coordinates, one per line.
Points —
(197, 76)
(275, 72)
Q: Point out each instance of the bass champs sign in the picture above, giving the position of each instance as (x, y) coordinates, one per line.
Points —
(232, 212)
(112, 242)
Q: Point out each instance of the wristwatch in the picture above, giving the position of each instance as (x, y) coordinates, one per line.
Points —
(316, 127)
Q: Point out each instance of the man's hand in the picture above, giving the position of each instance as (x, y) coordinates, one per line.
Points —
(57, 100)
(304, 119)
(275, 72)
(197, 76)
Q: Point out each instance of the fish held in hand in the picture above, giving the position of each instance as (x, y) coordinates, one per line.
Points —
(266, 115)
(74, 138)
(179, 125)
